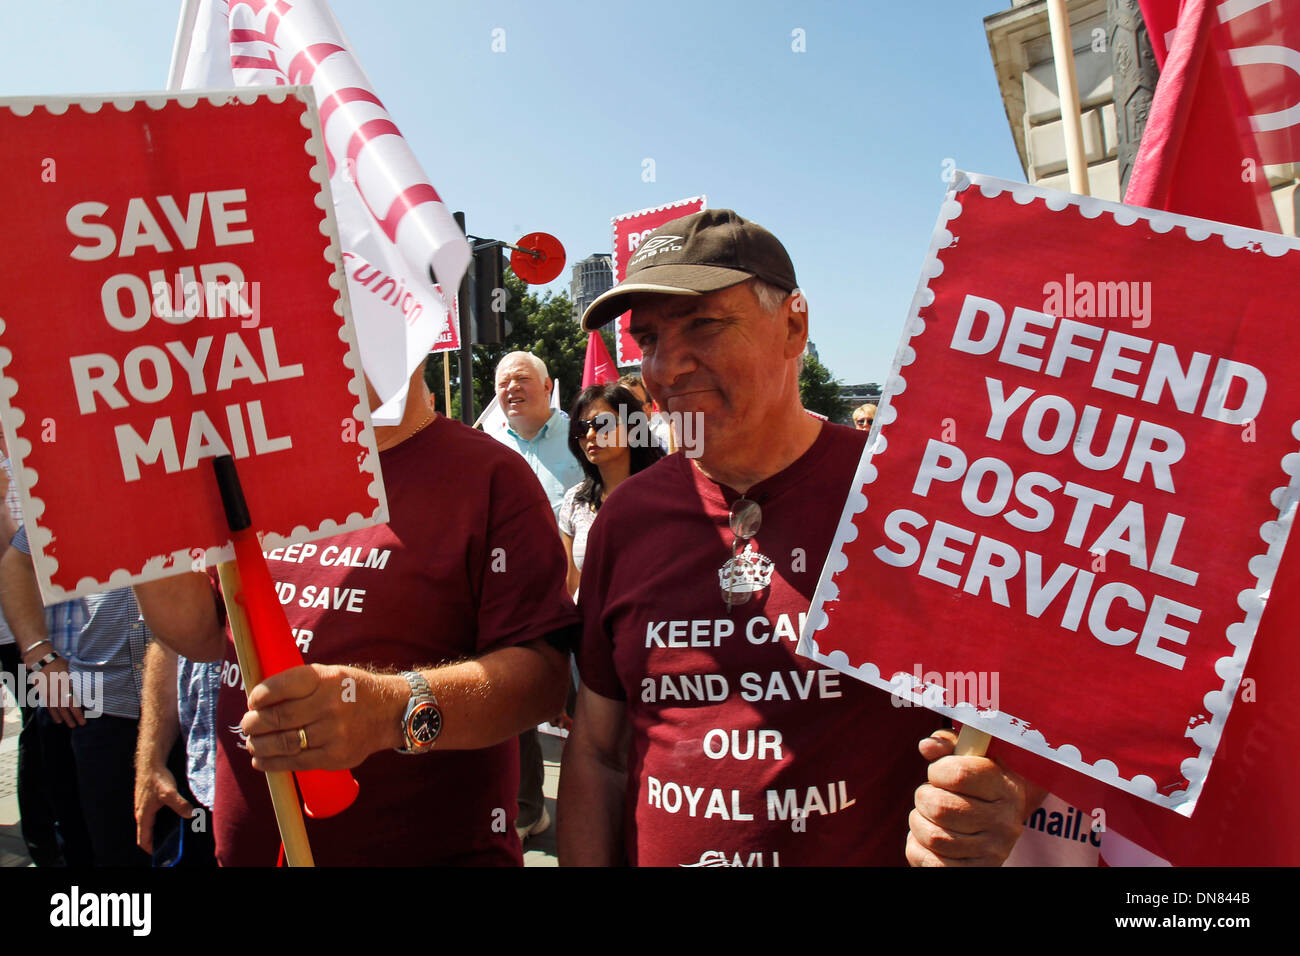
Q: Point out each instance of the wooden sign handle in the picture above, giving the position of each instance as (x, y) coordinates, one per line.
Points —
(446, 384)
(971, 742)
(284, 795)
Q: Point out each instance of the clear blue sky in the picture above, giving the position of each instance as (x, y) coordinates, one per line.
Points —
(838, 150)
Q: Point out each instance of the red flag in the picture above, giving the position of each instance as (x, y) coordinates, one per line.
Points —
(599, 367)
(1209, 116)
(1198, 154)
(1261, 38)
(324, 792)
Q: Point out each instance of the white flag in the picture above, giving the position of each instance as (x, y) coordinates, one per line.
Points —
(392, 224)
(492, 418)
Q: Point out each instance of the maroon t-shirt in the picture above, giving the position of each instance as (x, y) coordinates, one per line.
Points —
(470, 561)
(742, 752)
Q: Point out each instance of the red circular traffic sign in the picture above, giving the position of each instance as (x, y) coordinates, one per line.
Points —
(542, 268)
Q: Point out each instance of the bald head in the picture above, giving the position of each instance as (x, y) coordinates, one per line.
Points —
(524, 391)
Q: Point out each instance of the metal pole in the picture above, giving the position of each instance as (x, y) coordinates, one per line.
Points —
(466, 355)
(1058, 18)
(500, 244)
(181, 47)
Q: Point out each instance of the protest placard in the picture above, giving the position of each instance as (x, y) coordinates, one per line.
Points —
(1082, 480)
(173, 290)
(629, 229)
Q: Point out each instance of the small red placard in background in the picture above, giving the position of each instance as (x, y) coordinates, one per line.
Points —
(629, 229)
(1082, 482)
(173, 291)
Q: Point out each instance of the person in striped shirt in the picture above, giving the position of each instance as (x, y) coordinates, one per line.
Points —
(88, 657)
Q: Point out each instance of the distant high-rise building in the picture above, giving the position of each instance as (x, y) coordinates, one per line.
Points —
(855, 395)
(811, 349)
(591, 276)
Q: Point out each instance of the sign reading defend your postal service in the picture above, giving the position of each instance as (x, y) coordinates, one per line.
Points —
(172, 291)
(1082, 482)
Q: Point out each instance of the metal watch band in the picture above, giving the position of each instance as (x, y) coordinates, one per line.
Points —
(421, 696)
(419, 686)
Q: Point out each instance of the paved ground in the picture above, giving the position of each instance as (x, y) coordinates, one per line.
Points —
(538, 851)
(13, 852)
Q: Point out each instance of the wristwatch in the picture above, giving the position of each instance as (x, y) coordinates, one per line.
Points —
(422, 721)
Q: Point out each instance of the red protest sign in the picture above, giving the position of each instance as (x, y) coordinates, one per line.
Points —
(173, 292)
(1082, 486)
(448, 339)
(629, 229)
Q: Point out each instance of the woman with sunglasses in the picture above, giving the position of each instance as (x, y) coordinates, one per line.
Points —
(599, 438)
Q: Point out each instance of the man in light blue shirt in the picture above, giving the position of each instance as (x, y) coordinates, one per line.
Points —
(541, 434)
(538, 432)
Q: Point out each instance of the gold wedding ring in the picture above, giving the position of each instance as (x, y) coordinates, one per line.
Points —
(302, 739)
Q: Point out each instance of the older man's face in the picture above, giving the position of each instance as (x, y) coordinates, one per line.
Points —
(524, 397)
(716, 354)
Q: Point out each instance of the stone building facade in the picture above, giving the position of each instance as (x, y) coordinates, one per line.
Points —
(1021, 47)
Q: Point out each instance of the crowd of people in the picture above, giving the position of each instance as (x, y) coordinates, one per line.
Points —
(568, 569)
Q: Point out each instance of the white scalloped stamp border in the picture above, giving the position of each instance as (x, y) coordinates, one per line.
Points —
(13, 415)
(1204, 733)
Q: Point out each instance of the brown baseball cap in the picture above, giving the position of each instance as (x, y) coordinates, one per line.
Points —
(694, 255)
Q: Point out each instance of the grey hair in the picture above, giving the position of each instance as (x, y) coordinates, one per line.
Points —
(770, 299)
(537, 364)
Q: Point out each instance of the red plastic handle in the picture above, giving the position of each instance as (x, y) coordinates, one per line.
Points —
(324, 792)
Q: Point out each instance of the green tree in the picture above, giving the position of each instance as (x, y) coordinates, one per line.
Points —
(542, 325)
(819, 392)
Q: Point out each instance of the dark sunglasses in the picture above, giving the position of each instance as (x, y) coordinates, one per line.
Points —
(601, 422)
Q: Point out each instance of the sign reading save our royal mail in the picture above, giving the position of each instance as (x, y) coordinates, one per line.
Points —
(173, 291)
(1064, 530)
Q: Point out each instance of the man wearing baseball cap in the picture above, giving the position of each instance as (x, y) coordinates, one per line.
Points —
(701, 739)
